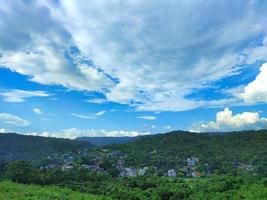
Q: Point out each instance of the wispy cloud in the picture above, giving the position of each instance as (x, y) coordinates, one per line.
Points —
(82, 116)
(17, 96)
(147, 117)
(92, 116)
(38, 111)
(97, 101)
(13, 119)
(146, 44)
(100, 113)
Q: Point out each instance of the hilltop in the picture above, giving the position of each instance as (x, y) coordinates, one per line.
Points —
(31, 148)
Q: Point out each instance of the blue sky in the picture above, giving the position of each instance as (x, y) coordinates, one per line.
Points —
(127, 68)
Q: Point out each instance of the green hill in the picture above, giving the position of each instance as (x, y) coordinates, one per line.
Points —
(14, 191)
(219, 151)
(104, 141)
(31, 148)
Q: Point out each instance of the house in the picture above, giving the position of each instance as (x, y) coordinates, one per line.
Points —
(129, 171)
(67, 167)
(192, 161)
(195, 174)
(171, 173)
(142, 171)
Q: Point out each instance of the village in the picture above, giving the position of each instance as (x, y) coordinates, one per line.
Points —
(105, 161)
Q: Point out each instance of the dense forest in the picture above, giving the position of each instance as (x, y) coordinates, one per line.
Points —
(221, 152)
(226, 186)
(104, 141)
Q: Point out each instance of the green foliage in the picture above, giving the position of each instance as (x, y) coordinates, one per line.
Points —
(12, 191)
(136, 188)
(164, 152)
(21, 172)
(167, 151)
(33, 148)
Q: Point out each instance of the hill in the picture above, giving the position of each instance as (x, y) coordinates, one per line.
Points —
(32, 148)
(22, 192)
(104, 141)
(220, 152)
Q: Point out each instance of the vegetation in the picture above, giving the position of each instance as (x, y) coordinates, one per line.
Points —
(32, 148)
(14, 191)
(104, 141)
(236, 170)
(220, 152)
(137, 188)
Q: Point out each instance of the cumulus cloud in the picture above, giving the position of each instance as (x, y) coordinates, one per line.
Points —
(21, 95)
(37, 111)
(74, 132)
(135, 54)
(256, 91)
(13, 120)
(147, 117)
(226, 121)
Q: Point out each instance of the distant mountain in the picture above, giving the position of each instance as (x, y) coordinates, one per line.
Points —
(32, 148)
(104, 141)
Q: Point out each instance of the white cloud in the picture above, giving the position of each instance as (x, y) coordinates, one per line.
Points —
(168, 127)
(82, 116)
(14, 120)
(74, 132)
(256, 91)
(226, 121)
(21, 95)
(141, 44)
(100, 113)
(97, 101)
(153, 126)
(147, 117)
(2, 130)
(92, 116)
(257, 53)
(37, 111)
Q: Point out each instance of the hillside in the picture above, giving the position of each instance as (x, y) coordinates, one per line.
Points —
(104, 141)
(22, 192)
(219, 152)
(31, 148)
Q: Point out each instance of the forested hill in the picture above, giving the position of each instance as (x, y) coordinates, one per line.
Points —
(32, 148)
(104, 141)
(171, 150)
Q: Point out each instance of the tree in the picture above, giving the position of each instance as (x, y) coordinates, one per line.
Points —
(21, 172)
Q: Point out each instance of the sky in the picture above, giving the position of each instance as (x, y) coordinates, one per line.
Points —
(127, 68)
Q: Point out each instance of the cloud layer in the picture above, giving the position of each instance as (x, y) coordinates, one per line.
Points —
(133, 52)
(74, 132)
